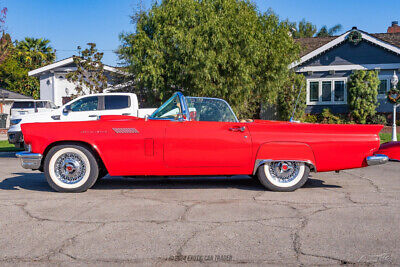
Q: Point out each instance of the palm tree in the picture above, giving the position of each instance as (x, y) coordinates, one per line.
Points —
(325, 32)
(35, 51)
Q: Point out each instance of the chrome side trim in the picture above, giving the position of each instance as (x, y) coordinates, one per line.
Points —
(30, 160)
(260, 162)
(377, 159)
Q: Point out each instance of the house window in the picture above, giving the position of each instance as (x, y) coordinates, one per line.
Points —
(339, 90)
(326, 91)
(382, 89)
(314, 91)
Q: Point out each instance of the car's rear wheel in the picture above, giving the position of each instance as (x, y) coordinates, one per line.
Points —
(283, 176)
(70, 168)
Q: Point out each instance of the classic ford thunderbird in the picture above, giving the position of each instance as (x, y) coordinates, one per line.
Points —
(194, 136)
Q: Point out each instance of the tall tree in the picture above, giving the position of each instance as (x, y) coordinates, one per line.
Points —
(325, 32)
(35, 52)
(5, 41)
(14, 66)
(3, 15)
(89, 76)
(217, 48)
(305, 29)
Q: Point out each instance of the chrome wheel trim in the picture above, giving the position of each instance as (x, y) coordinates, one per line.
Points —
(284, 173)
(69, 168)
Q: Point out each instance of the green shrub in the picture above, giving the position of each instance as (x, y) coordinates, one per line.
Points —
(327, 117)
(288, 95)
(362, 94)
(310, 118)
(378, 119)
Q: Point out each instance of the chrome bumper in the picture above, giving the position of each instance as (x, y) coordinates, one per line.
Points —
(30, 160)
(377, 159)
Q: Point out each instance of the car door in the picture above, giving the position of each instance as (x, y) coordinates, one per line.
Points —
(83, 109)
(132, 146)
(200, 144)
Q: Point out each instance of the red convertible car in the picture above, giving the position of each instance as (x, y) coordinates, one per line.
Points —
(194, 136)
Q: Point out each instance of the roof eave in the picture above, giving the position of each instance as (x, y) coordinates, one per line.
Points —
(341, 39)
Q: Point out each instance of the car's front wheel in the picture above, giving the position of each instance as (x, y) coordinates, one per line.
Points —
(70, 168)
(283, 176)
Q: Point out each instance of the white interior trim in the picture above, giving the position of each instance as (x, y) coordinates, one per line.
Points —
(340, 39)
(350, 67)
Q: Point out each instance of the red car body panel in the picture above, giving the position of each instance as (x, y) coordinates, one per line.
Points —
(390, 149)
(133, 146)
(286, 150)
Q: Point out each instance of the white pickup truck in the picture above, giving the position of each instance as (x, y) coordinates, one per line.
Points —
(84, 108)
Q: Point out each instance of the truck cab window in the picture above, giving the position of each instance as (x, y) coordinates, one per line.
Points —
(117, 102)
(85, 104)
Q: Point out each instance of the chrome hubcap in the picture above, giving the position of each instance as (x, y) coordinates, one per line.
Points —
(284, 171)
(70, 168)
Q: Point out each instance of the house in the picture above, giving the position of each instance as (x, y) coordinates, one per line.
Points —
(327, 63)
(54, 85)
(7, 98)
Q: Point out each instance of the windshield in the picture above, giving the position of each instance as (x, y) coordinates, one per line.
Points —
(209, 109)
(169, 110)
(27, 104)
(199, 109)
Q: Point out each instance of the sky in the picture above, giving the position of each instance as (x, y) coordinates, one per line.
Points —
(71, 23)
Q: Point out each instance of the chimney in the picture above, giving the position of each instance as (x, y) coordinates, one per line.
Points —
(395, 28)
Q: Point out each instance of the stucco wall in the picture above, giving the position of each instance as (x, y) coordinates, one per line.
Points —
(46, 87)
(54, 85)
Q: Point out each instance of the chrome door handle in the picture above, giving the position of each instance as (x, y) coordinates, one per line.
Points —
(93, 116)
(237, 129)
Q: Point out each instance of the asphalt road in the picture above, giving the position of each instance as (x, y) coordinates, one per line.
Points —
(351, 217)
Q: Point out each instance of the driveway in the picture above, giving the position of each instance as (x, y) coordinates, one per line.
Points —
(350, 217)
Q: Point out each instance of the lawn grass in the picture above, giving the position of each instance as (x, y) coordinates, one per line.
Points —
(5, 146)
(387, 137)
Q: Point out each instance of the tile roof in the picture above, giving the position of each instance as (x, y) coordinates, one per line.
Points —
(309, 44)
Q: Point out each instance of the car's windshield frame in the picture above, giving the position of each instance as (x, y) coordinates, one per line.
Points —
(185, 109)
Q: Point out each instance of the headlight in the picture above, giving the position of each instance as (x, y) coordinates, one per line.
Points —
(15, 121)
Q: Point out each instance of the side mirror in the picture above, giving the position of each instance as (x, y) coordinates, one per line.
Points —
(146, 117)
(67, 109)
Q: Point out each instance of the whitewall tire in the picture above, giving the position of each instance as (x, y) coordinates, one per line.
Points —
(283, 176)
(70, 168)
